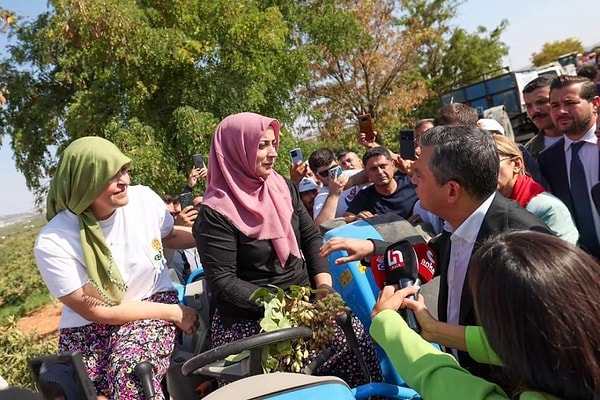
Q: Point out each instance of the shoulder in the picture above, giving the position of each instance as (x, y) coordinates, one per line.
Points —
(507, 213)
(550, 152)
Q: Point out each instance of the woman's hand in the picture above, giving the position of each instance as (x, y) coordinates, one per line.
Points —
(429, 325)
(390, 298)
(357, 249)
(187, 319)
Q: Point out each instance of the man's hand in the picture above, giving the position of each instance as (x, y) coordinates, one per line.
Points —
(337, 185)
(357, 249)
(187, 216)
(196, 173)
(298, 171)
(368, 144)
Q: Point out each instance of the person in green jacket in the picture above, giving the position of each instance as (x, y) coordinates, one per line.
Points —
(537, 298)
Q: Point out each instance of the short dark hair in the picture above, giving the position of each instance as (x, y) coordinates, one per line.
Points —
(376, 152)
(465, 154)
(320, 158)
(537, 83)
(588, 71)
(588, 88)
(519, 284)
(170, 198)
(423, 122)
(456, 114)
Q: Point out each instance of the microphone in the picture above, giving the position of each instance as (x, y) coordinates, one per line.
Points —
(426, 268)
(409, 264)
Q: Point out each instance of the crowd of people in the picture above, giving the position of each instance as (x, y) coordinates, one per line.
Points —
(516, 231)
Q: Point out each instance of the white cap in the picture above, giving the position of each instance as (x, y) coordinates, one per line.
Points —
(307, 184)
(490, 124)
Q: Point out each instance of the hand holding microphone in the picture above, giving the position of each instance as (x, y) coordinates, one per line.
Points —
(408, 264)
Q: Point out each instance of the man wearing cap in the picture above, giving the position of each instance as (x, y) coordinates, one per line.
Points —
(308, 189)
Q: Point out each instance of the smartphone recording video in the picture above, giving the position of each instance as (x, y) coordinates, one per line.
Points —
(186, 199)
(365, 125)
(296, 155)
(407, 144)
(335, 172)
(62, 375)
(198, 161)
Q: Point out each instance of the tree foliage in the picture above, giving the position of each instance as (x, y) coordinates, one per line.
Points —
(373, 75)
(550, 51)
(447, 55)
(156, 76)
(153, 76)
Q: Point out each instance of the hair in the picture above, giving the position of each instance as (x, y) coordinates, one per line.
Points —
(538, 83)
(170, 198)
(588, 88)
(343, 153)
(320, 158)
(423, 122)
(456, 114)
(376, 152)
(525, 282)
(588, 71)
(465, 154)
(509, 148)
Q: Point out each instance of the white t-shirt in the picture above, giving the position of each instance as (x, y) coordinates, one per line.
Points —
(344, 200)
(133, 234)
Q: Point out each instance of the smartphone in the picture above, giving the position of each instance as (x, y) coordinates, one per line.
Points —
(407, 144)
(198, 161)
(65, 369)
(186, 199)
(296, 155)
(335, 172)
(365, 125)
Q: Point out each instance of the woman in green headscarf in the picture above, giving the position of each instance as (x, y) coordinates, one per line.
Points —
(101, 255)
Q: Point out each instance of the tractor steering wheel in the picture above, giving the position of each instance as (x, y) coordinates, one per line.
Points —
(216, 357)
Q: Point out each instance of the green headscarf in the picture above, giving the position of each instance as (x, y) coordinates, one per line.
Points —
(83, 171)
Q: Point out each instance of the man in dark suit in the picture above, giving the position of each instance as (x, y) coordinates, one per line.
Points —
(456, 178)
(571, 165)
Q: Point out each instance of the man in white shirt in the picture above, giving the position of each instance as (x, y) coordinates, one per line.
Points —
(336, 194)
(456, 178)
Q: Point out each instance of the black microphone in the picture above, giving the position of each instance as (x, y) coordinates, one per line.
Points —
(401, 267)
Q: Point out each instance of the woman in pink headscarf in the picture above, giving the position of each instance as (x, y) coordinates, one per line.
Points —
(254, 231)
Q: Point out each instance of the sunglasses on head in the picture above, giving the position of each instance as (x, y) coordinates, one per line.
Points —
(325, 172)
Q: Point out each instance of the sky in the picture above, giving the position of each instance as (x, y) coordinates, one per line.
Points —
(531, 24)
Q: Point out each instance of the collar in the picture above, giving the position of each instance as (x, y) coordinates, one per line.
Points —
(589, 137)
(469, 229)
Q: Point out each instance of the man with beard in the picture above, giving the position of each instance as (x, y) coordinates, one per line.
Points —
(390, 193)
(536, 95)
(571, 164)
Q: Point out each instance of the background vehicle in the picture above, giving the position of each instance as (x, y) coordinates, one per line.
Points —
(500, 97)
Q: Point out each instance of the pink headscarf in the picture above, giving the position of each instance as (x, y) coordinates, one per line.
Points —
(259, 208)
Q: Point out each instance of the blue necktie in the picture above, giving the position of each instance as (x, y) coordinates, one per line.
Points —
(581, 203)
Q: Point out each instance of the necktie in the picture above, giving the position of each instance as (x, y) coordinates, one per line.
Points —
(581, 202)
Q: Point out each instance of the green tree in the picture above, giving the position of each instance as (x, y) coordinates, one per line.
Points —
(552, 50)
(450, 56)
(155, 77)
(364, 63)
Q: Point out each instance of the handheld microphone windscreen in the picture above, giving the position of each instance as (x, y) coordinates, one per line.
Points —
(400, 262)
(377, 265)
(427, 262)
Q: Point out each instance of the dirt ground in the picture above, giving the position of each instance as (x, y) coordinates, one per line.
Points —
(44, 320)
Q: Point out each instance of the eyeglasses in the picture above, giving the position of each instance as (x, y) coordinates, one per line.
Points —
(325, 172)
